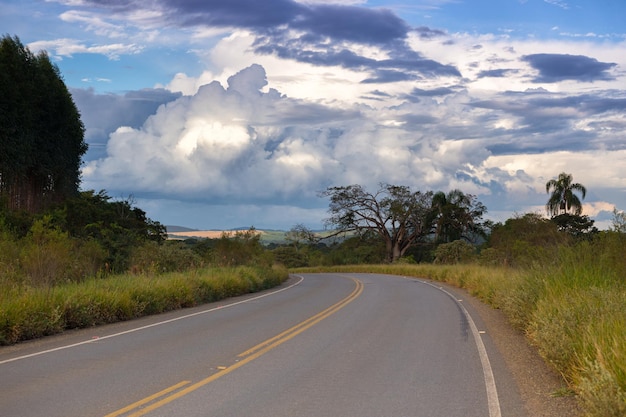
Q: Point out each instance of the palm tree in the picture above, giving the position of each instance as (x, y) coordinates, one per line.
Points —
(563, 198)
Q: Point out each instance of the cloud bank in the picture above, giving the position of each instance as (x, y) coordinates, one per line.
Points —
(245, 144)
(284, 98)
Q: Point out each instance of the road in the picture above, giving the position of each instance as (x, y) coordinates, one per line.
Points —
(320, 345)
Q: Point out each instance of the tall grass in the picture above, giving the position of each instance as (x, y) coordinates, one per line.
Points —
(572, 308)
(30, 312)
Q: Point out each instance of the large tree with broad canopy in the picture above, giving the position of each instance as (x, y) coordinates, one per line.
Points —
(395, 213)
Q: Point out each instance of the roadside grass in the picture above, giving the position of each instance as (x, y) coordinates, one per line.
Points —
(572, 309)
(31, 312)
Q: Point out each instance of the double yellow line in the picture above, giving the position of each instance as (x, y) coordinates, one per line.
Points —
(177, 391)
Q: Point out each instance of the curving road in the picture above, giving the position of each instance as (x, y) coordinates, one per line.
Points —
(321, 345)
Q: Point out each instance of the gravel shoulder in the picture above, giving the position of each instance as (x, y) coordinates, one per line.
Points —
(537, 383)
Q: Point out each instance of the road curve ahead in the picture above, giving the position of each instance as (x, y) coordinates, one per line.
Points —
(322, 345)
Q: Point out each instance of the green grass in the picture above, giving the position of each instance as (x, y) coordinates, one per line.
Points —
(31, 312)
(573, 310)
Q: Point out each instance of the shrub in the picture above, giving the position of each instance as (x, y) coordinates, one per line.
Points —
(525, 241)
(159, 258)
(458, 251)
(291, 257)
(46, 255)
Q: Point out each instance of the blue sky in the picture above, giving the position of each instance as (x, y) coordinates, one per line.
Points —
(219, 114)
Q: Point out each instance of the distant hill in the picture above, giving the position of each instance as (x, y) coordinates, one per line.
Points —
(175, 229)
(268, 236)
(180, 232)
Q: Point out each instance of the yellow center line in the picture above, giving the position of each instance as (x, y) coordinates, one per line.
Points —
(148, 399)
(315, 319)
(248, 356)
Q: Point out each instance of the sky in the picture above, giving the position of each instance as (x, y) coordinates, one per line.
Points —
(218, 114)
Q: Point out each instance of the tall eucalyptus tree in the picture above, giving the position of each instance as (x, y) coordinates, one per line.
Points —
(41, 134)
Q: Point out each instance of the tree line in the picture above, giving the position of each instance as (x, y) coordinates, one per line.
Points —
(394, 223)
(403, 218)
(41, 149)
(41, 134)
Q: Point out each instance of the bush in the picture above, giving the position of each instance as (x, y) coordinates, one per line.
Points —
(524, 241)
(455, 252)
(159, 258)
(46, 256)
(10, 275)
(291, 257)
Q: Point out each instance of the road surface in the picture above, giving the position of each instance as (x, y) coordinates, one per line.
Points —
(320, 345)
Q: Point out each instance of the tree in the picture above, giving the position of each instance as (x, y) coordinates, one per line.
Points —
(524, 240)
(41, 134)
(118, 226)
(242, 248)
(563, 199)
(299, 235)
(576, 225)
(618, 223)
(395, 213)
(456, 216)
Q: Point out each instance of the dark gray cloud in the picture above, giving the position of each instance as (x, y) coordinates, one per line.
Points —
(314, 33)
(521, 103)
(497, 73)
(560, 67)
(252, 14)
(389, 76)
(417, 93)
(435, 92)
(351, 23)
(556, 141)
(339, 22)
(428, 33)
(403, 65)
(552, 122)
(418, 120)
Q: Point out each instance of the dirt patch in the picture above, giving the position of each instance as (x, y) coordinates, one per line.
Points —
(207, 234)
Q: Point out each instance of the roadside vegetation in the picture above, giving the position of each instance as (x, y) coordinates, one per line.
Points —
(51, 281)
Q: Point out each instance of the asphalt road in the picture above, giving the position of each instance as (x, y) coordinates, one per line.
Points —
(320, 345)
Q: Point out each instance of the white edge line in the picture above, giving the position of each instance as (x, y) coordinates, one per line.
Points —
(490, 381)
(151, 325)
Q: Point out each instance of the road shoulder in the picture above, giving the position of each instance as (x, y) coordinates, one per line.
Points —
(538, 385)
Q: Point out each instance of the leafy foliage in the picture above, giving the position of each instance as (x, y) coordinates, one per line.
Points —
(118, 226)
(563, 199)
(458, 251)
(522, 241)
(242, 248)
(456, 216)
(402, 218)
(395, 213)
(159, 258)
(619, 221)
(575, 225)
